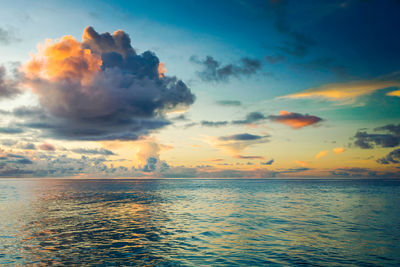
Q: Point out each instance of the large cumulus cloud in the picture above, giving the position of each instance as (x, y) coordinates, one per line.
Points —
(100, 88)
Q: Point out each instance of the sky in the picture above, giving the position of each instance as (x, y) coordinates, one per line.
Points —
(213, 89)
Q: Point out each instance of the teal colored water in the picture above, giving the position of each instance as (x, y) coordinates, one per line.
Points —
(193, 222)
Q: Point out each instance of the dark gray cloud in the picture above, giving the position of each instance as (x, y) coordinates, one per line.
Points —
(11, 130)
(354, 172)
(96, 151)
(8, 86)
(391, 138)
(392, 128)
(181, 117)
(13, 159)
(153, 164)
(233, 103)
(7, 36)
(8, 142)
(391, 158)
(273, 59)
(28, 146)
(368, 141)
(298, 44)
(322, 64)
(248, 157)
(251, 118)
(125, 100)
(150, 164)
(214, 71)
(214, 123)
(294, 170)
(268, 162)
(240, 137)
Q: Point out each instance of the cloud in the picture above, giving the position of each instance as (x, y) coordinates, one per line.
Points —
(392, 157)
(234, 144)
(294, 170)
(155, 165)
(392, 128)
(321, 154)
(268, 162)
(302, 163)
(181, 172)
(391, 138)
(47, 146)
(295, 120)
(322, 64)
(215, 160)
(95, 151)
(27, 146)
(298, 44)
(7, 36)
(240, 137)
(251, 118)
(214, 123)
(8, 86)
(274, 59)
(233, 103)
(11, 130)
(339, 150)
(148, 155)
(8, 142)
(214, 72)
(354, 172)
(150, 165)
(394, 93)
(101, 89)
(43, 165)
(248, 157)
(12, 159)
(344, 91)
(368, 141)
(181, 117)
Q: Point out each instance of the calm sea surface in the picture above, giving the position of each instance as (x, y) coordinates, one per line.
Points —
(193, 222)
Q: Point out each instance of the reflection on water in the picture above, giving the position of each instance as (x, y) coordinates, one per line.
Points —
(199, 222)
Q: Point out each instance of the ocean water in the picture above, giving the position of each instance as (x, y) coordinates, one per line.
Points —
(193, 222)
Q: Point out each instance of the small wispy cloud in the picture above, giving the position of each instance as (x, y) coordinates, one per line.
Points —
(321, 154)
(345, 92)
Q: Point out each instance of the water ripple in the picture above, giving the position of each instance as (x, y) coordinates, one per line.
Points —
(199, 222)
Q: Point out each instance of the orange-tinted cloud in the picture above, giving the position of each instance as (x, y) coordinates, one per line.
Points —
(295, 120)
(149, 148)
(302, 163)
(339, 150)
(344, 91)
(63, 59)
(161, 70)
(215, 160)
(101, 89)
(394, 93)
(46, 146)
(321, 154)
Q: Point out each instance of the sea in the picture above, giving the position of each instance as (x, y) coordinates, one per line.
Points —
(199, 222)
